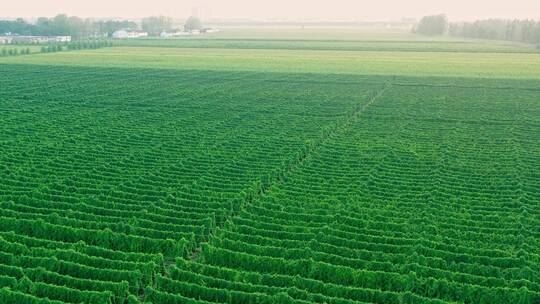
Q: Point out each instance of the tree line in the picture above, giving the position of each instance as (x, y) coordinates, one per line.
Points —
(78, 28)
(432, 25)
(63, 25)
(77, 45)
(527, 31)
(14, 52)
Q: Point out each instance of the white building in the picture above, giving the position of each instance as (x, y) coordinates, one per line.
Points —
(210, 30)
(39, 39)
(165, 35)
(123, 34)
(5, 39)
(140, 34)
(174, 34)
(63, 38)
(179, 33)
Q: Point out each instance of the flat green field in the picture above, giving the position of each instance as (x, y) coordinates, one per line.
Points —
(156, 175)
(296, 33)
(345, 45)
(479, 65)
(341, 39)
(314, 33)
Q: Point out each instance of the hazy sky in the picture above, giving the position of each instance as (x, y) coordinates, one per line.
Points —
(368, 10)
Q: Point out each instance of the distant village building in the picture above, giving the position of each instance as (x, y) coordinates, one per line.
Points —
(63, 38)
(5, 39)
(173, 34)
(120, 34)
(165, 35)
(33, 39)
(210, 30)
(123, 34)
(179, 33)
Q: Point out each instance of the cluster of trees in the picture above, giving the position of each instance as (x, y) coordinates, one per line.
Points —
(77, 45)
(78, 28)
(527, 31)
(63, 25)
(156, 24)
(90, 44)
(432, 25)
(14, 52)
(51, 48)
(192, 24)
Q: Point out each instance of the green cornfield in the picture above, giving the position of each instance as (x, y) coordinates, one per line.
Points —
(165, 174)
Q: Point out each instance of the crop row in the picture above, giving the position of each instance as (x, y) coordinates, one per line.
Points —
(429, 197)
(108, 175)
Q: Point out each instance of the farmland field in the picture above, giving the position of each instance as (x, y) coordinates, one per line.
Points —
(351, 39)
(346, 45)
(171, 174)
(458, 64)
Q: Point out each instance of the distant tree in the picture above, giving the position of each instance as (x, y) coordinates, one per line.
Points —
(432, 25)
(64, 25)
(43, 26)
(60, 25)
(18, 26)
(77, 28)
(108, 27)
(156, 24)
(527, 31)
(192, 24)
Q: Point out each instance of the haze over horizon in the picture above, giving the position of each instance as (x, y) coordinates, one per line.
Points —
(345, 10)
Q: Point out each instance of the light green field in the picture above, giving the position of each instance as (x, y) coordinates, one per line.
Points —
(359, 33)
(344, 45)
(483, 65)
(317, 33)
(340, 39)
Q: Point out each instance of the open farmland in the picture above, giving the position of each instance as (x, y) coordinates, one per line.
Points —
(350, 39)
(456, 64)
(151, 174)
(347, 45)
